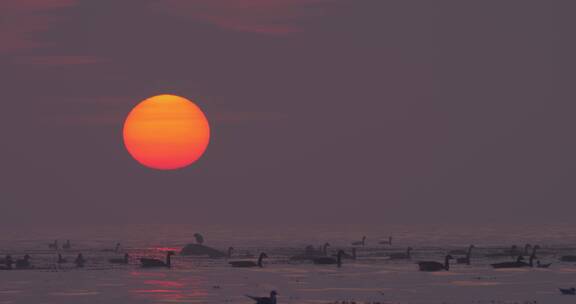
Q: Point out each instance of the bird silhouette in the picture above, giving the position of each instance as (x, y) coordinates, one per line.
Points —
(265, 300)
(435, 266)
(360, 243)
(123, 260)
(246, 264)
(401, 255)
(330, 260)
(568, 291)
(151, 263)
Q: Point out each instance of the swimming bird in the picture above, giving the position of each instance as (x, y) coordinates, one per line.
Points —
(540, 265)
(310, 253)
(149, 263)
(265, 300)
(435, 266)
(533, 255)
(350, 256)
(80, 261)
(387, 242)
(116, 248)
(53, 245)
(516, 264)
(512, 252)
(325, 248)
(527, 249)
(466, 259)
(123, 260)
(330, 260)
(346, 255)
(23, 263)
(568, 291)
(246, 264)
(67, 245)
(61, 260)
(360, 243)
(199, 238)
(401, 255)
(7, 263)
(568, 258)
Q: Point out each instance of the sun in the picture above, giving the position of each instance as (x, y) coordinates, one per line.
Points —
(166, 132)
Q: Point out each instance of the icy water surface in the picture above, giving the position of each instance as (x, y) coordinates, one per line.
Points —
(370, 278)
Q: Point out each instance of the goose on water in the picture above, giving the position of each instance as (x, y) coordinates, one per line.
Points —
(116, 248)
(61, 260)
(387, 242)
(401, 255)
(123, 260)
(540, 265)
(151, 263)
(53, 245)
(330, 260)
(527, 248)
(246, 264)
(265, 300)
(568, 291)
(360, 243)
(8, 262)
(325, 248)
(512, 252)
(466, 259)
(80, 261)
(435, 266)
(311, 253)
(568, 258)
(519, 261)
(349, 256)
(23, 263)
(516, 264)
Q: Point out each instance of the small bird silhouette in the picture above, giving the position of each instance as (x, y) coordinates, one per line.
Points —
(265, 300)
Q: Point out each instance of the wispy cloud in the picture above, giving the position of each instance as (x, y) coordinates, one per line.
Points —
(21, 20)
(257, 16)
(238, 117)
(56, 60)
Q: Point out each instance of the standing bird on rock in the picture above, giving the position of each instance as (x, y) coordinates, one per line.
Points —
(199, 238)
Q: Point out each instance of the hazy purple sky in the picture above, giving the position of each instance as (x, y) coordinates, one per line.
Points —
(321, 110)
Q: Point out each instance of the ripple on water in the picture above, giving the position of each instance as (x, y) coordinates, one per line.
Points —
(75, 293)
(475, 283)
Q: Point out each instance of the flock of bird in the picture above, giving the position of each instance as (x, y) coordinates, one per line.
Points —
(319, 256)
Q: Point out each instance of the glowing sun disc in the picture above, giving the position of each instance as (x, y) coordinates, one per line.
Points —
(166, 132)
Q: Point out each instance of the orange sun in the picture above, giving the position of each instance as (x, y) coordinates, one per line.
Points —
(166, 132)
